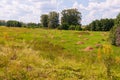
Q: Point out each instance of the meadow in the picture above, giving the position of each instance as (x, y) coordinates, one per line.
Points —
(46, 54)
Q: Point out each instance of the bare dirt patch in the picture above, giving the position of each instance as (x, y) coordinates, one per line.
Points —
(88, 48)
(86, 39)
(63, 41)
(80, 36)
(79, 43)
(83, 33)
(98, 45)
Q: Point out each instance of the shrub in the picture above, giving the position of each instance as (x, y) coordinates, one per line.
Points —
(78, 27)
(117, 35)
(112, 37)
(72, 27)
(64, 27)
(115, 32)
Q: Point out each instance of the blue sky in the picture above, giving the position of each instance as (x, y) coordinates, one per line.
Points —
(30, 10)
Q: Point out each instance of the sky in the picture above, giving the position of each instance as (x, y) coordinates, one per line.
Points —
(31, 10)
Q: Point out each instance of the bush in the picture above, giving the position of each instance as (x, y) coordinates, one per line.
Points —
(72, 27)
(78, 27)
(117, 35)
(115, 32)
(114, 36)
(13, 23)
(64, 27)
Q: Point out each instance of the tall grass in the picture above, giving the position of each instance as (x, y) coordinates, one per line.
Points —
(38, 54)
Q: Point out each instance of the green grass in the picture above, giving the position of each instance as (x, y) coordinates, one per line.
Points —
(40, 54)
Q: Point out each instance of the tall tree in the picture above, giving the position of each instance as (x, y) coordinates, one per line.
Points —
(101, 25)
(44, 20)
(71, 17)
(53, 20)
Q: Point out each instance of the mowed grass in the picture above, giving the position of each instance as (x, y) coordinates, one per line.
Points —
(41, 54)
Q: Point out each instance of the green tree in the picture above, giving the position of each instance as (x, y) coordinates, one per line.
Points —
(98, 25)
(93, 26)
(13, 23)
(71, 17)
(101, 25)
(53, 20)
(32, 25)
(44, 20)
(73, 27)
(64, 26)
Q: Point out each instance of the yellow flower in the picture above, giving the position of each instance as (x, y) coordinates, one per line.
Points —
(117, 59)
(107, 49)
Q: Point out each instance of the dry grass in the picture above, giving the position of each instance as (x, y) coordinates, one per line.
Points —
(38, 54)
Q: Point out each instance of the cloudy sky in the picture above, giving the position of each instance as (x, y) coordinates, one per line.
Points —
(30, 10)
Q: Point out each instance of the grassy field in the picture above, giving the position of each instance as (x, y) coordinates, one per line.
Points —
(39, 54)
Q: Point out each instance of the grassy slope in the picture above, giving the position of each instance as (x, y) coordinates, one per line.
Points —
(38, 54)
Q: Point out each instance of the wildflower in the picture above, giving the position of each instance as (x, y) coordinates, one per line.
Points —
(117, 60)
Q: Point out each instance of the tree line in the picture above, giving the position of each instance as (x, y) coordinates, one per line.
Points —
(14, 23)
(101, 25)
(70, 20)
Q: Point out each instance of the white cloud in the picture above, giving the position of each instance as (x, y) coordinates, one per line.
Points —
(30, 10)
(98, 10)
(26, 10)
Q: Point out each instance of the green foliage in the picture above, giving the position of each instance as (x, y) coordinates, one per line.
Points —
(101, 25)
(44, 20)
(73, 27)
(117, 20)
(33, 25)
(112, 37)
(78, 27)
(63, 27)
(24, 24)
(13, 23)
(53, 20)
(115, 32)
(71, 17)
